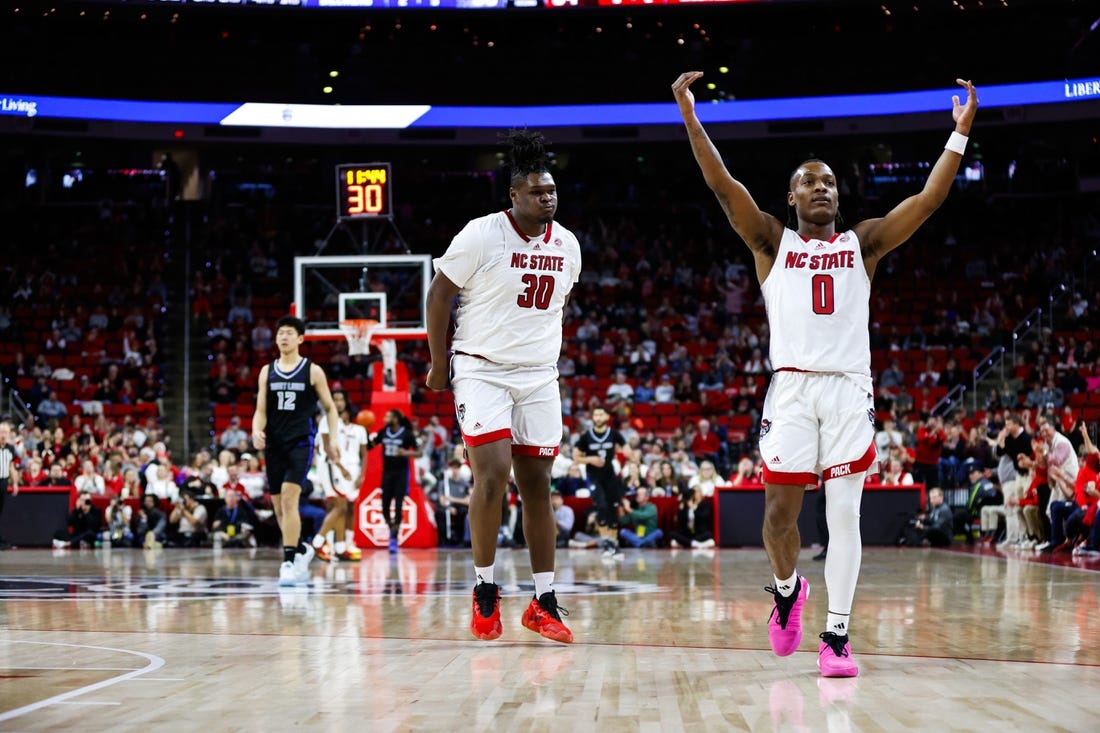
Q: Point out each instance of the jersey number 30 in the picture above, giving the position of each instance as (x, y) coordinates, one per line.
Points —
(823, 301)
(539, 290)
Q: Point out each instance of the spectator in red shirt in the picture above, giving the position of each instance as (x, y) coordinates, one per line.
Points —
(34, 475)
(930, 438)
(705, 445)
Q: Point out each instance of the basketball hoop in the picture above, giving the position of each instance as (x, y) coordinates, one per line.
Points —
(358, 332)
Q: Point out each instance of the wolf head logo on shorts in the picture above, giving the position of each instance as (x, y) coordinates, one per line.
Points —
(461, 412)
(765, 426)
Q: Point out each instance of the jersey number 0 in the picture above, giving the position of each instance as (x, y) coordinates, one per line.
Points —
(823, 301)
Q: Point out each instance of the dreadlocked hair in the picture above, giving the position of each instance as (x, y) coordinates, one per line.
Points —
(526, 154)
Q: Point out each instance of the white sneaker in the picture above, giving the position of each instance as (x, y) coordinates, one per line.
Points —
(60, 545)
(1043, 545)
(287, 574)
(301, 564)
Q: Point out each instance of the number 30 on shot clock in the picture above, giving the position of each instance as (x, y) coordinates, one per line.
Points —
(363, 191)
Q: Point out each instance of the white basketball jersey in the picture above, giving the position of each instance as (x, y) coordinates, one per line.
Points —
(818, 300)
(513, 289)
(349, 438)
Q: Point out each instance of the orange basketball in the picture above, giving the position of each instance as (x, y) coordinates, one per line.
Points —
(365, 418)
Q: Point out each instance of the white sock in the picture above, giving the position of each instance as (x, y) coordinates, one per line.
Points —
(331, 537)
(786, 587)
(484, 575)
(318, 541)
(544, 583)
(837, 623)
(340, 547)
(349, 536)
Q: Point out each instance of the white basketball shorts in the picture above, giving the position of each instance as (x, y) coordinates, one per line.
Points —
(334, 483)
(817, 423)
(499, 401)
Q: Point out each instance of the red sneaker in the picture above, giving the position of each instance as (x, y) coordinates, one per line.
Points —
(544, 617)
(324, 552)
(485, 624)
(352, 554)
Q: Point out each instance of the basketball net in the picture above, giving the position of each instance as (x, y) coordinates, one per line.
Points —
(359, 332)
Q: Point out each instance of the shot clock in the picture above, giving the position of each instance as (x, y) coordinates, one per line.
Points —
(363, 191)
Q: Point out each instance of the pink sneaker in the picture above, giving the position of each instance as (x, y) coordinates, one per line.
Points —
(834, 658)
(785, 623)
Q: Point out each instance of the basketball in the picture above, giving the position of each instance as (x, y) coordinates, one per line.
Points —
(365, 418)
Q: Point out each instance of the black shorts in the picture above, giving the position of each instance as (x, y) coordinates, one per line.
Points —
(288, 463)
(606, 495)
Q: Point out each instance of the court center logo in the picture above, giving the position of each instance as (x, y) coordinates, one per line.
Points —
(373, 521)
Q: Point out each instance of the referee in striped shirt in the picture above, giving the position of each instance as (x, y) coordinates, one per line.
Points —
(8, 473)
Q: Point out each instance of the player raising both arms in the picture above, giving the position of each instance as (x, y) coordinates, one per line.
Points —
(818, 415)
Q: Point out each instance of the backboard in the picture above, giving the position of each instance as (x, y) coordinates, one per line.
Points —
(391, 289)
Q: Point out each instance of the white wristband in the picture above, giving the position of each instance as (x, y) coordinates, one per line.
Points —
(956, 143)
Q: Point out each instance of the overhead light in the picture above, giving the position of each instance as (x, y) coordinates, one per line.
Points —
(327, 90)
(723, 69)
(333, 74)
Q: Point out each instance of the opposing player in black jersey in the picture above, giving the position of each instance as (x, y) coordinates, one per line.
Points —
(595, 448)
(283, 427)
(398, 441)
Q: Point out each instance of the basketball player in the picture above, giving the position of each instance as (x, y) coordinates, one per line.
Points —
(595, 448)
(512, 272)
(341, 482)
(283, 427)
(398, 441)
(818, 415)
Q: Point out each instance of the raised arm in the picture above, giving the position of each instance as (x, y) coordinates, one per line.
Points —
(1086, 440)
(760, 231)
(880, 236)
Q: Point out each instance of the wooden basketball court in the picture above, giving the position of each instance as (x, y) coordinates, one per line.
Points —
(666, 640)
